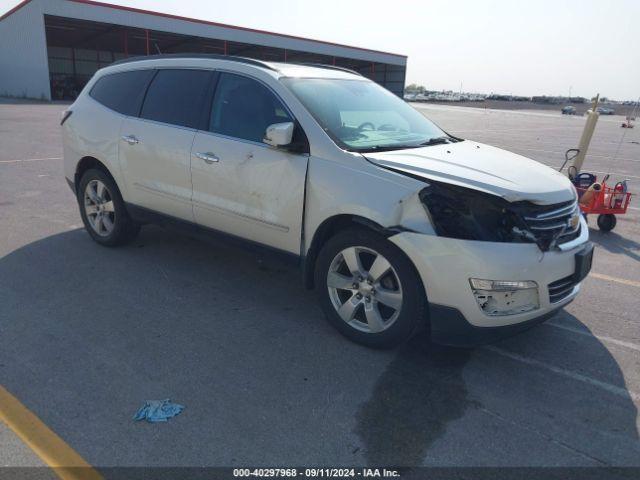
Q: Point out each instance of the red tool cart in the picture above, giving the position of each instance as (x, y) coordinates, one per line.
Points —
(605, 201)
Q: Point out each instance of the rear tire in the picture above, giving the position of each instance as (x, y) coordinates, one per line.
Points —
(607, 222)
(369, 290)
(103, 210)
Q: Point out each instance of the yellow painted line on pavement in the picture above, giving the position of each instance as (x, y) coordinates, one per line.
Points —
(608, 278)
(44, 442)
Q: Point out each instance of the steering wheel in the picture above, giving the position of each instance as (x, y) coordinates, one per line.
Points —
(367, 124)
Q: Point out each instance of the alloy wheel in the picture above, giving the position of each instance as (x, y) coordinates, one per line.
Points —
(365, 289)
(98, 207)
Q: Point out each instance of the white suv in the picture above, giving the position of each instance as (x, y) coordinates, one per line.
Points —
(396, 223)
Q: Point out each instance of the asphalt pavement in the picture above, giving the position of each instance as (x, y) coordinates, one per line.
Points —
(88, 333)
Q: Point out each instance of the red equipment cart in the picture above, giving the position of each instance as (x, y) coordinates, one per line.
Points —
(607, 202)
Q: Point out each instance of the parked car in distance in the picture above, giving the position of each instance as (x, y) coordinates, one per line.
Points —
(605, 110)
(569, 110)
(396, 224)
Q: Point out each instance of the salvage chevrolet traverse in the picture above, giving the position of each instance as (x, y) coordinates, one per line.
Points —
(396, 224)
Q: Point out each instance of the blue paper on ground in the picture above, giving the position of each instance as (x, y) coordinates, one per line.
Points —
(158, 411)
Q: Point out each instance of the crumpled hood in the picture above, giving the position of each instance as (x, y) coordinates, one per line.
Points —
(481, 167)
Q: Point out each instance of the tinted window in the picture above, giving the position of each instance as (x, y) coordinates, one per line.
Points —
(177, 97)
(122, 92)
(244, 108)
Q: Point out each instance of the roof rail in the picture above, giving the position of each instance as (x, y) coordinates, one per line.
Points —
(330, 67)
(212, 56)
(231, 58)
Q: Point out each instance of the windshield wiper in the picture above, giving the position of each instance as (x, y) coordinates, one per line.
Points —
(386, 148)
(383, 148)
(436, 141)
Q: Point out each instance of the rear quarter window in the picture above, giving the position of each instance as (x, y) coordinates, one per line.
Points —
(122, 92)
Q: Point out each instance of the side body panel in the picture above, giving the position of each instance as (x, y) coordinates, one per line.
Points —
(355, 187)
(156, 170)
(97, 138)
(253, 191)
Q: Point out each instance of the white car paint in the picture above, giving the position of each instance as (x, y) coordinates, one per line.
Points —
(259, 196)
(482, 167)
(280, 199)
(165, 151)
(513, 261)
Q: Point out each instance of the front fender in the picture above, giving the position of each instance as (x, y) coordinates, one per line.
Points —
(363, 190)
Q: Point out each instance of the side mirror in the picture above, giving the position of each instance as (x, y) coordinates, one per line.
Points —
(279, 134)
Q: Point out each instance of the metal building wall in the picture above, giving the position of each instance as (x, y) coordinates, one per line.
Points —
(24, 62)
(121, 16)
(24, 71)
(78, 48)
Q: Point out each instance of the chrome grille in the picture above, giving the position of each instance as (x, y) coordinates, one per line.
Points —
(561, 289)
(551, 224)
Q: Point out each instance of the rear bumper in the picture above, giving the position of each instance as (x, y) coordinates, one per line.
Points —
(449, 327)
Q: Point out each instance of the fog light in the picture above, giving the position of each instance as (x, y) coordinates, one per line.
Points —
(505, 297)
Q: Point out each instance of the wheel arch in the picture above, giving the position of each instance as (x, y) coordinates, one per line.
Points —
(327, 229)
(88, 163)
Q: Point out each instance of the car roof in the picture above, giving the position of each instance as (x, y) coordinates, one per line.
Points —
(311, 70)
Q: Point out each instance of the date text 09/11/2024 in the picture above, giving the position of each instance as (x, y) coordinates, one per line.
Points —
(316, 472)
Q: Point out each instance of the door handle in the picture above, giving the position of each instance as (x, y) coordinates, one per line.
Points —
(130, 139)
(208, 157)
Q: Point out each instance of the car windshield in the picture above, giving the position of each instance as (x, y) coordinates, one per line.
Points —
(362, 116)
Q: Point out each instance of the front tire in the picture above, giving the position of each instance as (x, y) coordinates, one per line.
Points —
(369, 290)
(103, 211)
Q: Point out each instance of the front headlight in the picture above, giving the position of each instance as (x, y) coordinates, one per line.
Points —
(466, 214)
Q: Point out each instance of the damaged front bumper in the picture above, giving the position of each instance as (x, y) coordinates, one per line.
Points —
(450, 327)
(448, 268)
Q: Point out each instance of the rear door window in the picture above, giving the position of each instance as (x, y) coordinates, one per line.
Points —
(122, 92)
(178, 97)
(244, 108)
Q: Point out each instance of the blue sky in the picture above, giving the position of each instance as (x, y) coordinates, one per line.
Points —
(520, 47)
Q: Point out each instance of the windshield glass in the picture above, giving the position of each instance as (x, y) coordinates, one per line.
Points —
(363, 116)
